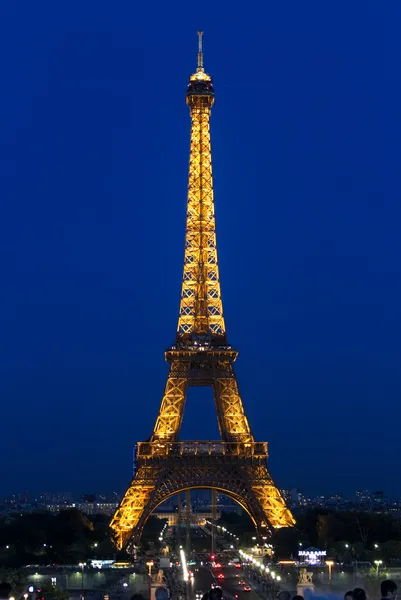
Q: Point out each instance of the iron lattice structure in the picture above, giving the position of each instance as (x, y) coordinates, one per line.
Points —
(201, 356)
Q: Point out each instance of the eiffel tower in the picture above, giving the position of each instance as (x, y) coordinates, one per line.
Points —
(236, 465)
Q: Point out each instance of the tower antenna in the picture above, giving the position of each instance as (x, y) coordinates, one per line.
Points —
(200, 51)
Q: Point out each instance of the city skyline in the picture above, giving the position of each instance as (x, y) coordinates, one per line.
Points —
(306, 189)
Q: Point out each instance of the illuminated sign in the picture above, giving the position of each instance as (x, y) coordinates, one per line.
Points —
(312, 556)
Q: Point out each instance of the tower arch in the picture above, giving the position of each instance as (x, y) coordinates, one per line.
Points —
(150, 509)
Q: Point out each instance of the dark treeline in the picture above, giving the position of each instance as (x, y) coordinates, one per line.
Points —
(42, 538)
(69, 537)
(346, 536)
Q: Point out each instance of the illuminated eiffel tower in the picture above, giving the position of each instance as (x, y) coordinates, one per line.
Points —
(201, 356)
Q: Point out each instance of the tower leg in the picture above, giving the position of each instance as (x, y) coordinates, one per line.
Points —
(171, 411)
(230, 410)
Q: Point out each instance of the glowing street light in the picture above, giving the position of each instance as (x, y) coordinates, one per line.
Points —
(378, 563)
(330, 564)
(82, 565)
(149, 564)
(184, 566)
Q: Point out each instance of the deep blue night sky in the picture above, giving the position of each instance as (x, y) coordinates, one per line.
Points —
(306, 135)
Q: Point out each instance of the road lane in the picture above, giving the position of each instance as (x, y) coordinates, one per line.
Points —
(230, 584)
(202, 581)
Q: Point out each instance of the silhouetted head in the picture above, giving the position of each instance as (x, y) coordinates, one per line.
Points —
(348, 595)
(216, 593)
(297, 597)
(388, 588)
(5, 589)
(284, 595)
(359, 594)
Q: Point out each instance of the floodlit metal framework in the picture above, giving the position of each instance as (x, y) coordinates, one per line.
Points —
(201, 356)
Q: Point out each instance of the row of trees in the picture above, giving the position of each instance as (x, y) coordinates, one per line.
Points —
(67, 538)
(346, 536)
(71, 537)
(42, 538)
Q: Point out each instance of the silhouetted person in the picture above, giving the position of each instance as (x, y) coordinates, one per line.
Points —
(298, 597)
(216, 593)
(348, 595)
(284, 595)
(5, 589)
(388, 589)
(359, 594)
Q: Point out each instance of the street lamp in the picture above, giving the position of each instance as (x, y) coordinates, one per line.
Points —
(376, 546)
(82, 565)
(378, 563)
(330, 564)
(149, 564)
(347, 545)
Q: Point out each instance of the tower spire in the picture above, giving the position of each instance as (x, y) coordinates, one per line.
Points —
(201, 308)
(200, 51)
